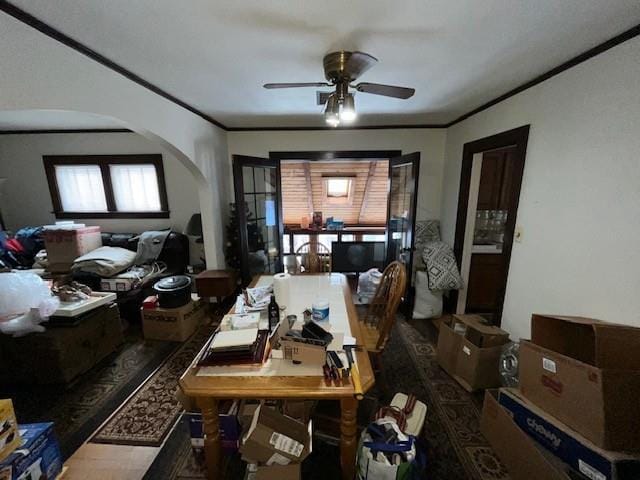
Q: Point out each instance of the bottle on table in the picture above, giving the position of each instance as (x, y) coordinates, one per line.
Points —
(274, 313)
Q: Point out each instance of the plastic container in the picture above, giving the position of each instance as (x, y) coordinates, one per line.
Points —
(320, 310)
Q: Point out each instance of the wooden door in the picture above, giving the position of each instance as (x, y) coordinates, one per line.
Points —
(258, 204)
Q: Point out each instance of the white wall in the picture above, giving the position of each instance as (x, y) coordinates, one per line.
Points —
(580, 199)
(25, 197)
(39, 73)
(429, 142)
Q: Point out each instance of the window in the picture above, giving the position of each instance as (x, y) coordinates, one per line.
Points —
(107, 186)
(338, 191)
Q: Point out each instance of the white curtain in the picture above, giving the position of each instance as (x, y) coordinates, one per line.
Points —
(135, 188)
(81, 188)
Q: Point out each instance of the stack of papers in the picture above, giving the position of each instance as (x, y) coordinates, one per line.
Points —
(234, 339)
(240, 322)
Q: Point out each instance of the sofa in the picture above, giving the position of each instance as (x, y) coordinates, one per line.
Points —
(175, 254)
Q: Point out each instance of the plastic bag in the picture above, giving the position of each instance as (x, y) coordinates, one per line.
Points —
(25, 302)
(374, 452)
(368, 283)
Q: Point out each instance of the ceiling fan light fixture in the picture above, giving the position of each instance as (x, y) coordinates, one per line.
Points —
(348, 112)
(332, 111)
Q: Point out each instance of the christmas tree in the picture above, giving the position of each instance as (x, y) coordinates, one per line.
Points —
(233, 248)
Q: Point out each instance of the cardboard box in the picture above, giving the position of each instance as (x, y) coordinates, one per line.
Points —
(568, 445)
(173, 324)
(278, 472)
(298, 409)
(9, 435)
(586, 373)
(524, 459)
(305, 353)
(64, 245)
(38, 456)
(469, 350)
(274, 438)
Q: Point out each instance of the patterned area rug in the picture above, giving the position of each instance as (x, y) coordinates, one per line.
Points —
(148, 415)
(456, 449)
(79, 409)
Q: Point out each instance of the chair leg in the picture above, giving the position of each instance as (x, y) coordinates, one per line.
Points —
(376, 361)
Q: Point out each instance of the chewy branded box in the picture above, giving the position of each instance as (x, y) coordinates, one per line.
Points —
(523, 457)
(9, 435)
(586, 373)
(38, 457)
(568, 445)
(273, 438)
(172, 324)
(469, 350)
(229, 427)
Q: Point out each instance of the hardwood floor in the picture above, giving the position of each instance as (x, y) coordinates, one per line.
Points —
(109, 462)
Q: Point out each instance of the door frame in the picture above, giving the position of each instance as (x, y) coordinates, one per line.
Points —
(517, 137)
(238, 162)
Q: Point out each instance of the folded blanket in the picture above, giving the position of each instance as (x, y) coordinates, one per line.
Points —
(105, 261)
(441, 267)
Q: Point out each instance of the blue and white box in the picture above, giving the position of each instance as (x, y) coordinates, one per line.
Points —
(38, 457)
(566, 444)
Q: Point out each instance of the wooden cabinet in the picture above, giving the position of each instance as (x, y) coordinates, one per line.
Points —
(495, 180)
(486, 281)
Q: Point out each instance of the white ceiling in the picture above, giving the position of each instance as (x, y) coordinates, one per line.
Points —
(457, 54)
(54, 120)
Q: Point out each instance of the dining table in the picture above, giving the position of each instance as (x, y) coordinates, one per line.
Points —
(281, 379)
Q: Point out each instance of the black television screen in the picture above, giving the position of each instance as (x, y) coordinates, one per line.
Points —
(347, 257)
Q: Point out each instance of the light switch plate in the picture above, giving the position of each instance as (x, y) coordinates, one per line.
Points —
(517, 235)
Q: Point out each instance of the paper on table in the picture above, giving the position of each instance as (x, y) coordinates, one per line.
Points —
(234, 338)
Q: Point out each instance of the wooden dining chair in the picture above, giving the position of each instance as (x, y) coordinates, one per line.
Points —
(381, 315)
(314, 257)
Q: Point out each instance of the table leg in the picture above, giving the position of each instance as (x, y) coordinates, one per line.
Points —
(348, 441)
(212, 443)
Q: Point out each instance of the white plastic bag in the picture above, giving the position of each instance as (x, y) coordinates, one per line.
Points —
(368, 283)
(25, 302)
(428, 303)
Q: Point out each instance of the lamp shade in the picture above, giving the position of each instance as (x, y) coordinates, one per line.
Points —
(194, 227)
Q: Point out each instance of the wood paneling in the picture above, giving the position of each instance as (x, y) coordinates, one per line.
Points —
(295, 192)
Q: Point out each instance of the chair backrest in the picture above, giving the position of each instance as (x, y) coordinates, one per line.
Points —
(314, 257)
(384, 304)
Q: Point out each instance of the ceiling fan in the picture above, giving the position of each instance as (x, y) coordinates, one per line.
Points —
(341, 69)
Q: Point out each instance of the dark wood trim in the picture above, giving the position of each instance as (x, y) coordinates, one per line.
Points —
(56, 34)
(103, 161)
(321, 155)
(583, 57)
(367, 188)
(121, 215)
(75, 130)
(354, 127)
(307, 178)
(517, 137)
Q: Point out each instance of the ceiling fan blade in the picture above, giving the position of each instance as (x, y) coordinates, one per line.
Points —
(294, 85)
(358, 63)
(385, 90)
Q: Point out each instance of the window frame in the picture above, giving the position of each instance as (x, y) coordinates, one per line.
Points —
(345, 201)
(104, 161)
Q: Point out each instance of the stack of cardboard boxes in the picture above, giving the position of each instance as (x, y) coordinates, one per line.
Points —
(469, 350)
(576, 413)
(275, 445)
(28, 451)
